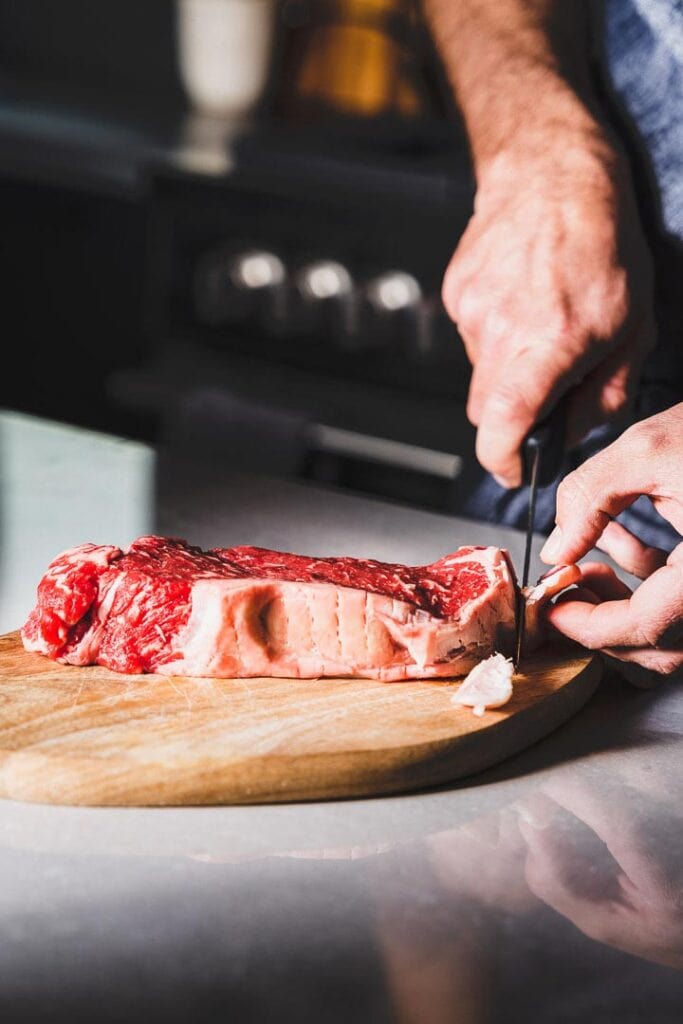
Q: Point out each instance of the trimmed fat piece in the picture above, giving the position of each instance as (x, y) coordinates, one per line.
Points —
(488, 685)
(165, 606)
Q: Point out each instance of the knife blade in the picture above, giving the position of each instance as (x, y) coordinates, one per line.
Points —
(542, 456)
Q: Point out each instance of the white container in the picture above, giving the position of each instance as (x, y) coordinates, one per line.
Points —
(224, 49)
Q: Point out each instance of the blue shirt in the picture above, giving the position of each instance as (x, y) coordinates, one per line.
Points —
(644, 55)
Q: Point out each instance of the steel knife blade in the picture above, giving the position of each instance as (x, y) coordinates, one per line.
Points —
(542, 455)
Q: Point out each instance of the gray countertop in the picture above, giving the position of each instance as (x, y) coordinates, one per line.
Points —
(547, 889)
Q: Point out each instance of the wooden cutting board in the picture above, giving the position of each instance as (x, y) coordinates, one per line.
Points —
(89, 736)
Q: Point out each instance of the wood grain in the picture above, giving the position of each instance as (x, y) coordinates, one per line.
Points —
(92, 737)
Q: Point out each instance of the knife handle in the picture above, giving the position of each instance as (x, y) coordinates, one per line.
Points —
(547, 443)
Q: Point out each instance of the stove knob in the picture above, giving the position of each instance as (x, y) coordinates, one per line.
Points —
(393, 292)
(325, 280)
(327, 289)
(232, 288)
(400, 312)
(263, 274)
(255, 270)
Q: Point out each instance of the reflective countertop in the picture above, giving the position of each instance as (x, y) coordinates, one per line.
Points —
(546, 889)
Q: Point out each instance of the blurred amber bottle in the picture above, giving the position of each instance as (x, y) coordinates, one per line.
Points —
(353, 57)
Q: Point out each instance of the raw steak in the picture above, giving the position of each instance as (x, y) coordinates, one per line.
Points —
(164, 606)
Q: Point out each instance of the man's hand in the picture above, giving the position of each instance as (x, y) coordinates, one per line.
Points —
(550, 290)
(643, 628)
(550, 286)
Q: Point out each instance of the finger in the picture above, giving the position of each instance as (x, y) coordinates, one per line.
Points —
(456, 297)
(464, 301)
(477, 393)
(602, 581)
(593, 625)
(484, 376)
(451, 288)
(645, 460)
(652, 617)
(524, 389)
(505, 418)
(629, 551)
(485, 355)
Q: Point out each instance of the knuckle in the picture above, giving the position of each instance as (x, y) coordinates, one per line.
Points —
(670, 665)
(472, 413)
(459, 281)
(451, 288)
(590, 640)
(592, 636)
(663, 632)
(471, 345)
(496, 324)
(449, 299)
(651, 633)
(643, 440)
(576, 493)
(467, 307)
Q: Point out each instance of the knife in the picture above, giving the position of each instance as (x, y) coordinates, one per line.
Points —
(542, 456)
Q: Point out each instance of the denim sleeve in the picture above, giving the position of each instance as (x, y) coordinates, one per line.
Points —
(643, 52)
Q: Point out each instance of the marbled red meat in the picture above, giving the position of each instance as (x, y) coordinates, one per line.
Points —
(165, 606)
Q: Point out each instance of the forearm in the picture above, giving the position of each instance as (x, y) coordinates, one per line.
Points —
(520, 72)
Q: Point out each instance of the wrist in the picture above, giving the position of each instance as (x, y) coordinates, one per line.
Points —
(536, 119)
(552, 152)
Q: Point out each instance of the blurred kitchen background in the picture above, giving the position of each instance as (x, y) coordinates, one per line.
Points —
(224, 227)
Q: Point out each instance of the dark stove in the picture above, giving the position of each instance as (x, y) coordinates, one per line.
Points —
(305, 283)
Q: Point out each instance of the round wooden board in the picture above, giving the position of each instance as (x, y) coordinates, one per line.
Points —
(92, 737)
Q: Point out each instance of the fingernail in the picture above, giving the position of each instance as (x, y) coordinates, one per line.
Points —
(552, 549)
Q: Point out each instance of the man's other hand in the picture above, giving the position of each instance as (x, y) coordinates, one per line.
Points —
(643, 629)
